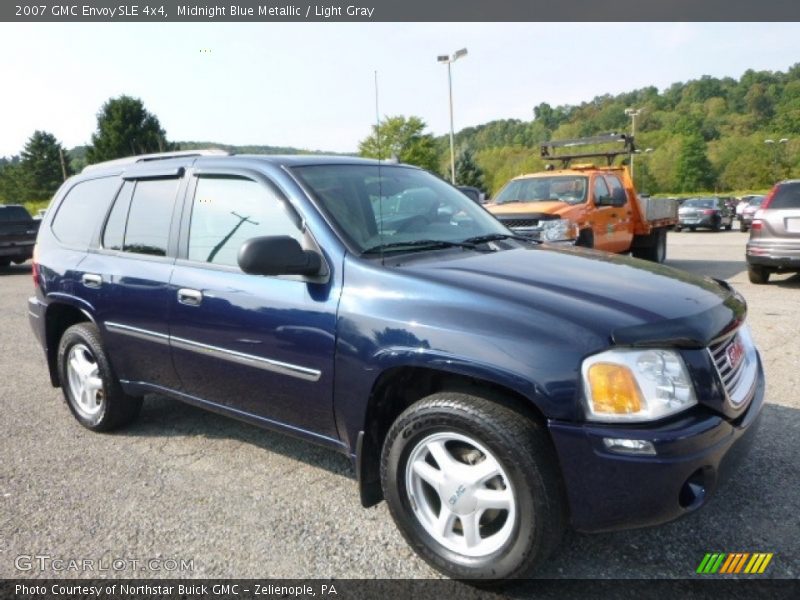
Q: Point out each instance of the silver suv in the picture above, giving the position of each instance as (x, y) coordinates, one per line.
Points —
(774, 244)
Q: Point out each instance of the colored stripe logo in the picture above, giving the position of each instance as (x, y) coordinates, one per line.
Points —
(722, 563)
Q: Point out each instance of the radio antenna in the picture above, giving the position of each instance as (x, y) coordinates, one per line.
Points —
(380, 160)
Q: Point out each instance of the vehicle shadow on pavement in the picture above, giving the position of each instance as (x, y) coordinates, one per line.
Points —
(756, 510)
(791, 282)
(167, 417)
(15, 269)
(719, 269)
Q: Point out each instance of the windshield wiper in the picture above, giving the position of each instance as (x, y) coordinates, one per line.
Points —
(416, 245)
(493, 237)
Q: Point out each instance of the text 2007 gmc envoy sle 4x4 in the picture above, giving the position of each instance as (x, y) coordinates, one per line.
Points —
(491, 389)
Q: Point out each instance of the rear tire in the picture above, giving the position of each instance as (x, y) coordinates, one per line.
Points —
(743, 227)
(473, 487)
(4, 262)
(729, 226)
(91, 388)
(758, 274)
(657, 251)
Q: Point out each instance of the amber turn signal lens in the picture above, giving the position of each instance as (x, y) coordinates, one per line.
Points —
(614, 389)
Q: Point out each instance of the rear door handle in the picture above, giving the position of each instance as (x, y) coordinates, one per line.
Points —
(91, 280)
(190, 297)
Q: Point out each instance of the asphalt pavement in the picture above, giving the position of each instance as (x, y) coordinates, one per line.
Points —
(188, 493)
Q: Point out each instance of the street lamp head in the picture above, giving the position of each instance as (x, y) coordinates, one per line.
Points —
(769, 141)
(783, 140)
(443, 58)
(460, 53)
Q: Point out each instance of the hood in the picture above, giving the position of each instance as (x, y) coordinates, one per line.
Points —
(516, 208)
(623, 300)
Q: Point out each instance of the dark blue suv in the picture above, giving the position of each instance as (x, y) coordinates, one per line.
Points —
(492, 389)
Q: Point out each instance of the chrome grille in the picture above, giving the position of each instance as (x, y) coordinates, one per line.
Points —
(519, 222)
(737, 379)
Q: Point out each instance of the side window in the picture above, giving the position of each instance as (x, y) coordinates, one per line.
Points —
(114, 234)
(79, 213)
(149, 216)
(600, 188)
(227, 211)
(615, 184)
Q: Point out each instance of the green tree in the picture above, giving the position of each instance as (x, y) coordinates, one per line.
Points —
(125, 128)
(693, 170)
(13, 184)
(467, 170)
(402, 138)
(41, 166)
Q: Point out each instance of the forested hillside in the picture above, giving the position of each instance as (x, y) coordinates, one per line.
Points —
(706, 134)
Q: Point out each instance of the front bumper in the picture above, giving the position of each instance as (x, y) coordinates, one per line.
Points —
(694, 453)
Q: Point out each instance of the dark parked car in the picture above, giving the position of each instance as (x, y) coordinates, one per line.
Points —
(17, 234)
(774, 244)
(492, 389)
(708, 213)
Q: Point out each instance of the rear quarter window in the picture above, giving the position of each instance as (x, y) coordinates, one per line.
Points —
(81, 211)
(786, 196)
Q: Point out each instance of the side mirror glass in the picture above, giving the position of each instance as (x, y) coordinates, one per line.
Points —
(277, 255)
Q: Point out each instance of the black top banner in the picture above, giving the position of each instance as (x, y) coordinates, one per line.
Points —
(399, 10)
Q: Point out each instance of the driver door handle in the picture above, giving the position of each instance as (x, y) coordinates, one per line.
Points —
(190, 297)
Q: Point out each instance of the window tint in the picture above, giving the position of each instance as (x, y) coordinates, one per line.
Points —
(600, 188)
(228, 211)
(786, 196)
(571, 189)
(615, 184)
(115, 226)
(14, 213)
(150, 215)
(82, 209)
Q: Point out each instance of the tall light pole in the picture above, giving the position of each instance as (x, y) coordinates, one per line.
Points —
(633, 113)
(771, 142)
(449, 60)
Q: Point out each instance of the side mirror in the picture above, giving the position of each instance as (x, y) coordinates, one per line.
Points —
(277, 255)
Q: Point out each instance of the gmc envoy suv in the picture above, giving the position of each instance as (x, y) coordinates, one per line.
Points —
(492, 389)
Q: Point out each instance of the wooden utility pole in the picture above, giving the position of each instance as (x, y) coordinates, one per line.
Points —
(63, 164)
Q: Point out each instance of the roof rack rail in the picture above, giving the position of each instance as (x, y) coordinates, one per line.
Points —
(132, 160)
(547, 149)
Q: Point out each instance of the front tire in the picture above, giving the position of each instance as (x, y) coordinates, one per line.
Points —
(91, 388)
(585, 238)
(473, 487)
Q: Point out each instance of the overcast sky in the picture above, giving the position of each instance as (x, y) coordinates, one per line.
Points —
(311, 85)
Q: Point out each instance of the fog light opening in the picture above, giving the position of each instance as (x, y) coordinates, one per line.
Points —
(693, 491)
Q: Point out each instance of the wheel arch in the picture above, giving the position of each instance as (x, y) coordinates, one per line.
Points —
(397, 388)
(59, 316)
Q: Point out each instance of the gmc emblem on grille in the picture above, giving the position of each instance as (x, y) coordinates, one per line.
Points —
(734, 353)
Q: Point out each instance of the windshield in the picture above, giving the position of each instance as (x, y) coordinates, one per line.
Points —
(561, 188)
(377, 207)
(701, 203)
(756, 201)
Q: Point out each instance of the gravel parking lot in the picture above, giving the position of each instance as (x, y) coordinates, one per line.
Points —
(241, 502)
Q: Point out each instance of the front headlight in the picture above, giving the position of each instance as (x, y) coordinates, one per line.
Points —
(636, 385)
(558, 230)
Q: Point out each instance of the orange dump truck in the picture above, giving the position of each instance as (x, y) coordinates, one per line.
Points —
(585, 204)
